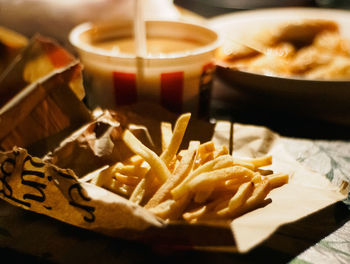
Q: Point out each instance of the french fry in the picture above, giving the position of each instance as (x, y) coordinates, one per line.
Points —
(123, 168)
(254, 164)
(261, 162)
(162, 209)
(179, 206)
(222, 151)
(202, 196)
(277, 180)
(115, 186)
(259, 194)
(205, 153)
(213, 178)
(127, 179)
(219, 163)
(157, 165)
(135, 160)
(146, 188)
(167, 133)
(123, 189)
(180, 173)
(122, 177)
(171, 209)
(220, 204)
(257, 178)
(243, 163)
(142, 169)
(207, 211)
(206, 147)
(193, 216)
(139, 191)
(176, 139)
(231, 184)
(264, 172)
(243, 193)
(119, 188)
(256, 199)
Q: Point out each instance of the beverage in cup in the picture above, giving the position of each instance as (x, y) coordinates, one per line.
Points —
(176, 71)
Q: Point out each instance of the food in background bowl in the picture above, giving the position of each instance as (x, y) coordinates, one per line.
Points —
(308, 48)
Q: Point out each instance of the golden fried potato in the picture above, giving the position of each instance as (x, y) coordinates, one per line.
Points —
(206, 183)
(310, 48)
(300, 33)
(337, 69)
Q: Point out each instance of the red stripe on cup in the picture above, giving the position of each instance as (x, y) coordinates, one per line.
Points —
(171, 90)
(125, 90)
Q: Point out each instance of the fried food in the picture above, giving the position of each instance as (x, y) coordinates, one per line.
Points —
(300, 33)
(181, 172)
(205, 184)
(309, 48)
(123, 177)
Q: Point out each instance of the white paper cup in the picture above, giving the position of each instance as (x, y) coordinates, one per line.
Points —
(179, 81)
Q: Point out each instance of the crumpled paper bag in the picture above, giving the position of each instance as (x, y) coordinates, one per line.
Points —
(42, 58)
(41, 95)
(43, 185)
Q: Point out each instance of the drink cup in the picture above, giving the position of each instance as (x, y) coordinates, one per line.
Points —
(176, 73)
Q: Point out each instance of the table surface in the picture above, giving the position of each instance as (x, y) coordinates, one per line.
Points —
(320, 238)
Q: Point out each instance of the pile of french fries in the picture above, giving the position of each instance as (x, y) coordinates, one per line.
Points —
(198, 184)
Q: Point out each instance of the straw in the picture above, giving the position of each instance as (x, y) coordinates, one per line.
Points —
(139, 29)
(140, 41)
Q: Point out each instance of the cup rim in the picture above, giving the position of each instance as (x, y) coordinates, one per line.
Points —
(75, 33)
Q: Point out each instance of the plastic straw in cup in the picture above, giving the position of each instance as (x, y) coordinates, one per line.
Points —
(139, 29)
(140, 42)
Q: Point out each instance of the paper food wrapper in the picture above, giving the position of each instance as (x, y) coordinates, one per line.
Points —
(40, 185)
(39, 60)
(41, 95)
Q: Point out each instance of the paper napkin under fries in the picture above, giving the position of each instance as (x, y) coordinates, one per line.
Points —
(40, 96)
(58, 192)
